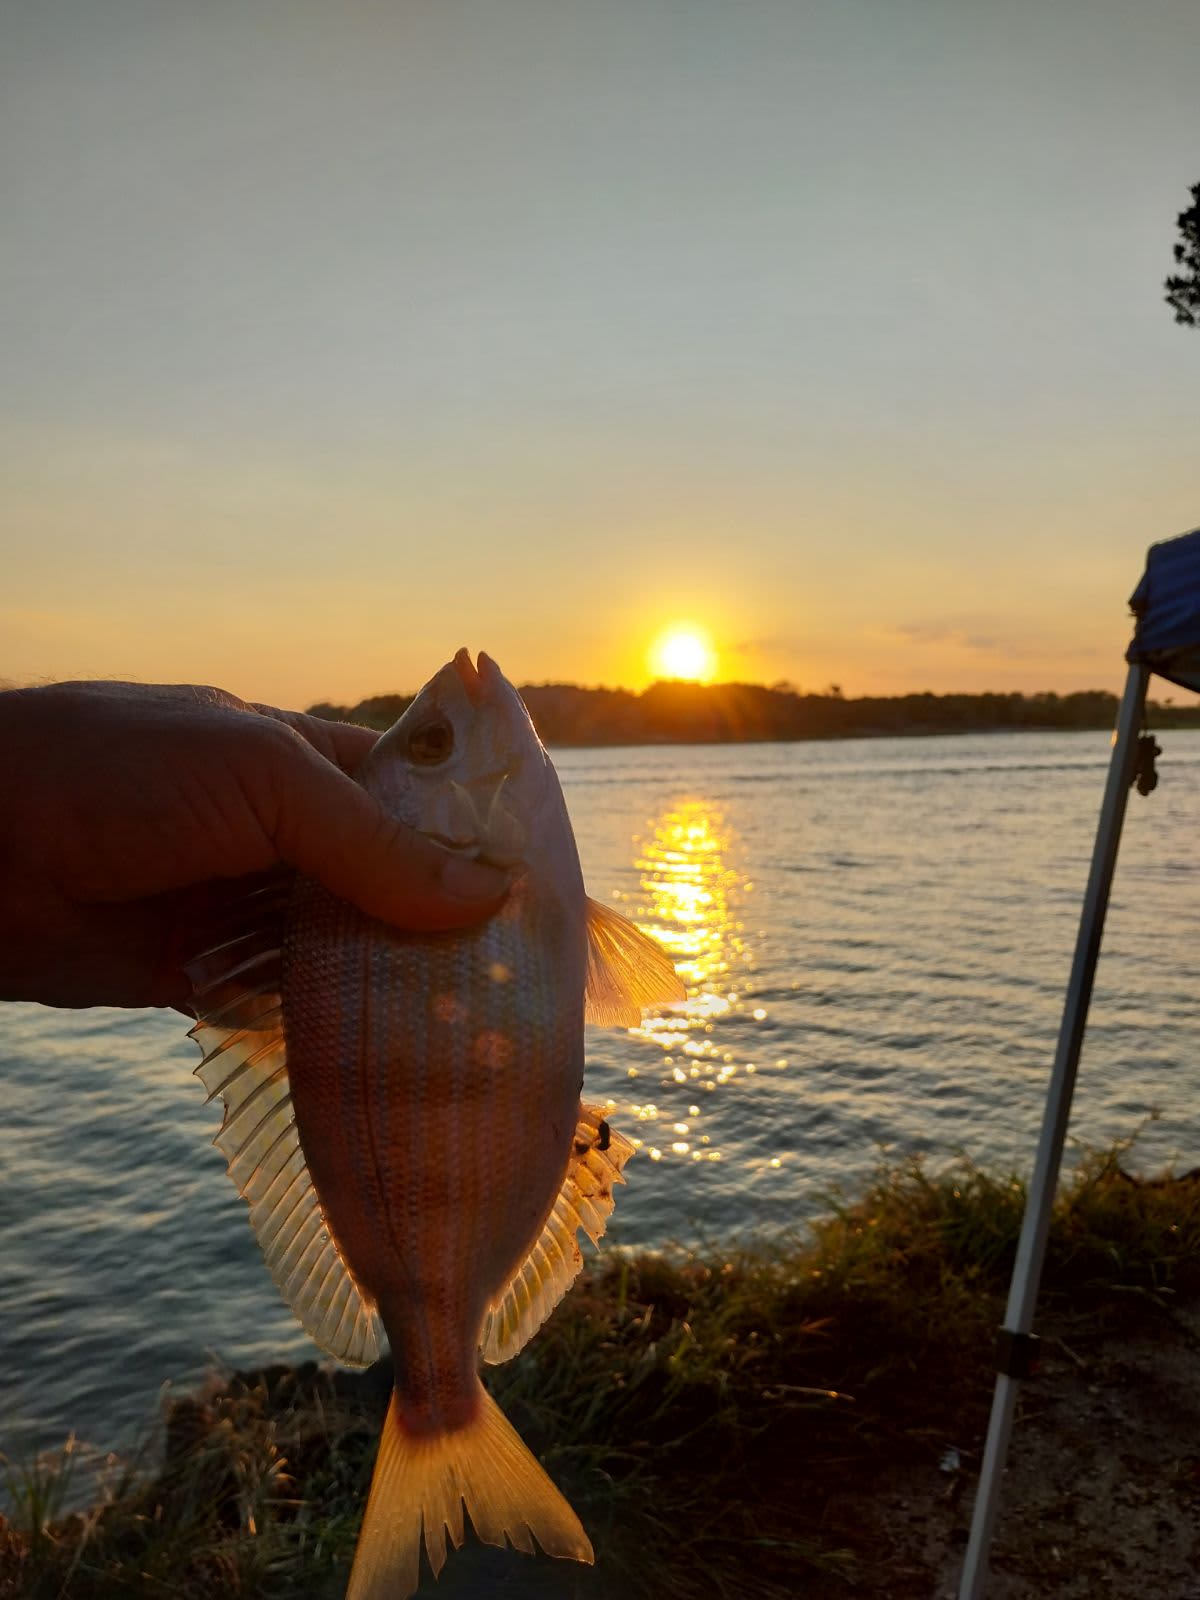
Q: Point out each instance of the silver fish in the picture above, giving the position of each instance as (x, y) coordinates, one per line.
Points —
(403, 1118)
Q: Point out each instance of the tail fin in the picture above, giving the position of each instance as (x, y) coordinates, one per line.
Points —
(418, 1480)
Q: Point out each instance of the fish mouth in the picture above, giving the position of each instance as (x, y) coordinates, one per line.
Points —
(458, 846)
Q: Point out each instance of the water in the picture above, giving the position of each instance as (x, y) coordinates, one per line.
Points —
(876, 936)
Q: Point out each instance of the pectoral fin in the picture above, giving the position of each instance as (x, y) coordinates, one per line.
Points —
(240, 1032)
(626, 971)
(585, 1201)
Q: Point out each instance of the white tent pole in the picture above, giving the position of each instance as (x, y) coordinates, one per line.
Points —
(1014, 1340)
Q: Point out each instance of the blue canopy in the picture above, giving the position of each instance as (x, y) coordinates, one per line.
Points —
(1166, 603)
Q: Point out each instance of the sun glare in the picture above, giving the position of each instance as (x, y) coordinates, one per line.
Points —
(683, 651)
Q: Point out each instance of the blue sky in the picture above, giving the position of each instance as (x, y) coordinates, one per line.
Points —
(339, 336)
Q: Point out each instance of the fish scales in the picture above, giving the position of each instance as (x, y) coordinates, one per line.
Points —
(451, 1072)
(424, 1160)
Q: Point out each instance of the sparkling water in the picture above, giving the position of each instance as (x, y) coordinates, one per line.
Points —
(875, 934)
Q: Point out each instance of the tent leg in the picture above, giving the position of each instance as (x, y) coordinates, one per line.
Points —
(1035, 1228)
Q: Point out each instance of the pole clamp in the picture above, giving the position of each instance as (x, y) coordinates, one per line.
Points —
(1145, 773)
(1017, 1354)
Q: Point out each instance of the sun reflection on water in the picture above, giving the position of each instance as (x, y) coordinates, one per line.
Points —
(689, 887)
(690, 901)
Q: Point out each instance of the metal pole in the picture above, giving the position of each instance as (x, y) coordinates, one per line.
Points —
(1031, 1251)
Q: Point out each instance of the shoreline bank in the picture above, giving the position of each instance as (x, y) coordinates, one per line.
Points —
(806, 1416)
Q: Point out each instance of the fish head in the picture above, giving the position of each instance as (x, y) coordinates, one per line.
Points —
(464, 765)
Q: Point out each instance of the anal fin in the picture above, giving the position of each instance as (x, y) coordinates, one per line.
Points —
(585, 1201)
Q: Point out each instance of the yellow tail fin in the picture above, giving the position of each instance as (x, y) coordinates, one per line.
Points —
(426, 1481)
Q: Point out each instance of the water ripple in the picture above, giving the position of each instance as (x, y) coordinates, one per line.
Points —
(876, 937)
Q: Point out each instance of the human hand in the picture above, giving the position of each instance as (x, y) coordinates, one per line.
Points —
(129, 813)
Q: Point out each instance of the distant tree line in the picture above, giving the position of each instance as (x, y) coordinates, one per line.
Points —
(692, 713)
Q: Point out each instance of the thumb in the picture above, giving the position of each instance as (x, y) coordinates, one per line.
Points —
(336, 832)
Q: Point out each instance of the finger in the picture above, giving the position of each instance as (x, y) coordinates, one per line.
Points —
(343, 743)
(329, 828)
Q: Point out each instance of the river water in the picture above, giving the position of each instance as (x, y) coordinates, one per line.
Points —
(875, 934)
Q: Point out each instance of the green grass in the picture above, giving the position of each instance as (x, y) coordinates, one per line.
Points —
(711, 1419)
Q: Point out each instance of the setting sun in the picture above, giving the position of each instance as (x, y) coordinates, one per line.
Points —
(683, 651)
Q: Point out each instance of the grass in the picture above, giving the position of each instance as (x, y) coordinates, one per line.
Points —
(713, 1420)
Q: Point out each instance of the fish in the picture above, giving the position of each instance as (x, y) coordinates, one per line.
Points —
(403, 1117)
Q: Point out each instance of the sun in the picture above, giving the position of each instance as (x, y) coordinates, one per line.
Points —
(683, 651)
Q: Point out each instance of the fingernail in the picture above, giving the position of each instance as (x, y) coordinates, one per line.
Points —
(473, 880)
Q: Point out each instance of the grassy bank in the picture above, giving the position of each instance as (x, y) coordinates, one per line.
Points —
(722, 1425)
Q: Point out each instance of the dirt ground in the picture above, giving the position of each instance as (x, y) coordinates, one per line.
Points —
(1101, 1500)
(1102, 1492)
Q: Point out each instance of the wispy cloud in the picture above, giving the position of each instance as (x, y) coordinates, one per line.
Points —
(988, 638)
(958, 635)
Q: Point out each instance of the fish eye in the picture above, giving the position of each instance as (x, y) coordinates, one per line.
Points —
(432, 744)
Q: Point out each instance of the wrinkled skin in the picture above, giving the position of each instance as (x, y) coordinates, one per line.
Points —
(131, 815)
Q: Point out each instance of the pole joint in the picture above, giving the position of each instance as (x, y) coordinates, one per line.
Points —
(1018, 1355)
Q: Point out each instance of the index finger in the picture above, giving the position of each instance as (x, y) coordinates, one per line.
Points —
(344, 743)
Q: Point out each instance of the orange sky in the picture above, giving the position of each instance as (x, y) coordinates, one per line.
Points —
(339, 341)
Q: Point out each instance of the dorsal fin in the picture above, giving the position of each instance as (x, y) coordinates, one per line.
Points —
(626, 971)
(585, 1201)
(240, 1032)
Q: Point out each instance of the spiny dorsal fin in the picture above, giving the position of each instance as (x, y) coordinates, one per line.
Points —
(626, 971)
(240, 1032)
(585, 1201)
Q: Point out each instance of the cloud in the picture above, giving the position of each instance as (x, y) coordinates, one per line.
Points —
(776, 645)
(981, 637)
(949, 633)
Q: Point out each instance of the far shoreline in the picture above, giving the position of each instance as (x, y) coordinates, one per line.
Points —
(676, 712)
(848, 738)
